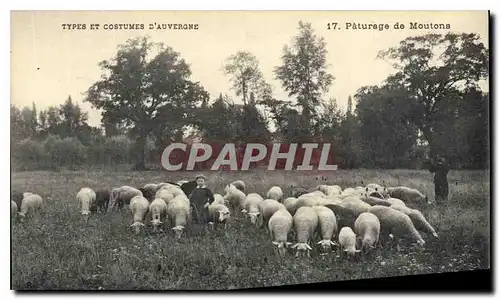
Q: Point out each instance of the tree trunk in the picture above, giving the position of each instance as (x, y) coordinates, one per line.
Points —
(140, 162)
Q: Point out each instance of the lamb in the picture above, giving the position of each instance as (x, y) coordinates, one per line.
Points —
(240, 185)
(219, 199)
(397, 223)
(30, 205)
(267, 208)
(253, 207)
(179, 214)
(367, 227)
(101, 200)
(275, 193)
(347, 241)
(408, 195)
(158, 211)
(218, 214)
(121, 196)
(418, 219)
(165, 195)
(86, 198)
(305, 223)
(13, 208)
(236, 198)
(328, 226)
(279, 226)
(289, 204)
(139, 207)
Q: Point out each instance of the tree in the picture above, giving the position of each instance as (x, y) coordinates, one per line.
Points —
(148, 96)
(436, 80)
(245, 76)
(303, 73)
(73, 119)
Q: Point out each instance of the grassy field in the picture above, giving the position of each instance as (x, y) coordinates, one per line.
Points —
(59, 251)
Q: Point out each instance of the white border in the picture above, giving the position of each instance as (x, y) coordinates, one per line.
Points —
(190, 5)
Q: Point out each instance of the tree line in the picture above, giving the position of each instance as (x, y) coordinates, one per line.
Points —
(431, 106)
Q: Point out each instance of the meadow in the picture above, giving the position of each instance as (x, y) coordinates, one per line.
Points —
(59, 251)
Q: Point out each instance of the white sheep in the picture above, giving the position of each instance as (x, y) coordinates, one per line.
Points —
(240, 185)
(395, 201)
(328, 226)
(408, 195)
(355, 204)
(158, 212)
(375, 200)
(329, 189)
(367, 228)
(396, 223)
(279, 226)
(218, 198)
(179, 214)
(267, 208)
(289, 204)
(13, 208)
(347, 240)
(348, 192)
(121, 196)
(139, 207)
(166, 185)
(235, 198)
(165, 195)
(27, 194)
(86, 198)
(329, 200)
(372, 187)
(218, 214)
(305, 222)
(30, 205)
(275, 193)
(253, 207)
(307, 200)
(418, 219)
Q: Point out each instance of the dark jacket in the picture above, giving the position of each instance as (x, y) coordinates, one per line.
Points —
(198, 198)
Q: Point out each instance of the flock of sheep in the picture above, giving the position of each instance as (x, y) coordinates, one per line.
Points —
(366, 216)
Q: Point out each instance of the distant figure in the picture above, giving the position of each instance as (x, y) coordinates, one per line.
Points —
(200, 196)
(440, 168)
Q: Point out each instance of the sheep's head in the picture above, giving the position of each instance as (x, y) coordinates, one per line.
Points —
(366, 244)
(352, 251)
(137, 226)
(253, 217)
(282, 247)
(301, 248)
(326, 244)
(224, 215)
(178, 231)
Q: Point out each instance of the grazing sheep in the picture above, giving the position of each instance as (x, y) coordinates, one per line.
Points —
(347, 241)
(275, 193)
(376, 201)
(329, 200)
(139, 207)
(306, 200)
(348, 192)
(166, 185)
(17, 197)
(395, 201)
(328, 226)
(101, 200)
(289, 204)
(355, 204)
(279, 226)
(13, 208)
(148, 194)
(122, 196)
(253, 207)
(236, 198)
(297, 192)
(408, 195)
(329, 189)
(418, 219)
(86, 198)
(218, 198)
(179, 214)
(240, 185)
(158, 212)
(315, 194)
(374, 187)
(218, 214)
(397, 223)
(267, 208)
(367, 227)
(30, 205)
(165, 195)
(376, 194)
(305, 223)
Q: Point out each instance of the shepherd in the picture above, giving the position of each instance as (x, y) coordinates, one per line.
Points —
(200, 198)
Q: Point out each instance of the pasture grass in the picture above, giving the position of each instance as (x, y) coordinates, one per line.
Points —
(59, 251)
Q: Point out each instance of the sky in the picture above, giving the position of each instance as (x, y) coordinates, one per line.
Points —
(48, 63)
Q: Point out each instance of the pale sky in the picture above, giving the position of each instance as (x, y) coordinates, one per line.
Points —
(49, 63)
